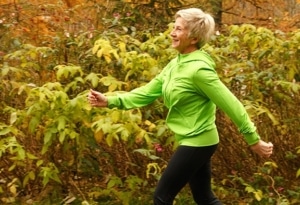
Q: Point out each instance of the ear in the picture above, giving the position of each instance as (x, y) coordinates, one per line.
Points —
(195, 41)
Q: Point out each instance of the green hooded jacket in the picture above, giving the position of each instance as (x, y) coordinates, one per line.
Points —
(191, 90)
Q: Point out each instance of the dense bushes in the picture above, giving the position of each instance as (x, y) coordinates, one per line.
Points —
(55, 148)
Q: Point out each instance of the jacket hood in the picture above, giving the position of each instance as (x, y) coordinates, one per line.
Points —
(198, 55)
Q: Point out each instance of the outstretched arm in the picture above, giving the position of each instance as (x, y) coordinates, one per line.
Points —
(209, 84)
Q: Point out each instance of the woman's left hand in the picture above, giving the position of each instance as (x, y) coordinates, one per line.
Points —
(263, 148)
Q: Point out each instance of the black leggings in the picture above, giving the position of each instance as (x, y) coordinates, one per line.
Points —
(188, 165)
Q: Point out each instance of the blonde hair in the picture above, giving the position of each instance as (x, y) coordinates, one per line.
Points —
(200, 25)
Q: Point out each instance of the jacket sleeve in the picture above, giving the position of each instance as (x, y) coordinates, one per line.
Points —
(207, 82)
(138, 97)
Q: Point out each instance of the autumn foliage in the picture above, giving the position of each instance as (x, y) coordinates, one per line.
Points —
(56, 149)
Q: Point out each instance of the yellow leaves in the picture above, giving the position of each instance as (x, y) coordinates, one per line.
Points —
(298, 173)
(29, 176)
(151, 126)
(116, 116)
(12, 187)
(93, 78)
(103, 48)
(99, 136)
(271, 165)
(122, 47)
(99, 53)
(154, 169)
(115, 54)
(107, 58)
(66, 71)
(13, 190)
(258, 195)
(95, 48)
(112, 87)
(111, 82)
(139, 138)
(256, 108)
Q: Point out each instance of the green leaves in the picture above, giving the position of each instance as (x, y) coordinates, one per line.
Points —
(93, 78)
(49, 128)
(64, 71)
(257, 193)
(49, 173)
(5, 129)
(147, 153)
(112, 83)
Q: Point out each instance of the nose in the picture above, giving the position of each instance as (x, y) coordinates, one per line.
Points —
(172, 33)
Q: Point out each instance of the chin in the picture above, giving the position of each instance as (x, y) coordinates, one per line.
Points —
(175, 47)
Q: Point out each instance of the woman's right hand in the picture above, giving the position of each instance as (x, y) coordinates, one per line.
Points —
(97, 99)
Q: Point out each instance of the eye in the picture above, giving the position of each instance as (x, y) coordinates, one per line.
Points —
(177, 28)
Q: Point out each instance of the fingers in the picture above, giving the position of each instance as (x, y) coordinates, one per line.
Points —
(93, 92)
(92, 97)
(269, 150)
(263, 149)
(97, 99)
(268, 154)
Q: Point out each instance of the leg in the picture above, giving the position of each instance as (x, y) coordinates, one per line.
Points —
(200, 184)
(183, 164)
(174, 177)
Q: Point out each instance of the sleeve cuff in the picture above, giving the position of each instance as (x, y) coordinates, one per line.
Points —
(252, 138)
(113, 101)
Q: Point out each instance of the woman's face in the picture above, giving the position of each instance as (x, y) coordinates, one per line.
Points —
(180, 40)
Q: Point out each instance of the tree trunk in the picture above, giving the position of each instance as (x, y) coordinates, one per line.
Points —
(217, 12)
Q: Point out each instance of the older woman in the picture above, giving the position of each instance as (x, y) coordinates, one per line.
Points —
(191, 90)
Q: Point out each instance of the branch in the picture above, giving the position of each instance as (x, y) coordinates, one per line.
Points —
(230, 7)
(254, 4)
(246, 17)
(17, 11)
(296, 20)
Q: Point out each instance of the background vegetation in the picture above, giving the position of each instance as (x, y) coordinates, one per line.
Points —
(56, 149)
